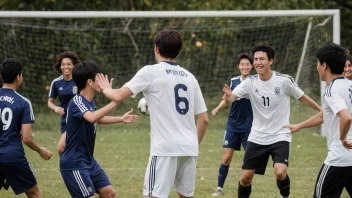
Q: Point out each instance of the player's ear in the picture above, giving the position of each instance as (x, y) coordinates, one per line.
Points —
(178, 55)
(156, 49)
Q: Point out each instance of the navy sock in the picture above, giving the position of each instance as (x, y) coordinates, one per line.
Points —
(284, 186)
(223, 170)
(244, 192)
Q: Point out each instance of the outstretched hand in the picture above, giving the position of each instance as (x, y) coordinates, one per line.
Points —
(103, 81)
(227, 90)
(293, 128)
(128, 117)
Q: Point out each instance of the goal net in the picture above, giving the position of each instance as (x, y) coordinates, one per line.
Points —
(121, 46)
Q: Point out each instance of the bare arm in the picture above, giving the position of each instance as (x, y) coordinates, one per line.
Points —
(311, 122)
(128, 117)
(95, 116)
(117, 95)
(56, 109)
(28, 139)
(306, 100)
(345, 124)
(202, 124)
(222, 105)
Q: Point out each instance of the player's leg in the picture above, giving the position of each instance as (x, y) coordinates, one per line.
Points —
(280, 153)
(231, 142)
(20, 177)
(62, 143)
(244, 139)
(160, 176)
(33, 192)
(78, 183)
(101, 182)
(330, 182)
(255, 161)
(185, 178)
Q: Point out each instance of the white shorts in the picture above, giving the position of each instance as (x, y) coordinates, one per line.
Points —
(164, 172)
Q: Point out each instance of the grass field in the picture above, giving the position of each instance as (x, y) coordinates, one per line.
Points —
(123, 150)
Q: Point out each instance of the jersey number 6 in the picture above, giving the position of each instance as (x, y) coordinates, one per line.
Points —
(179, 99)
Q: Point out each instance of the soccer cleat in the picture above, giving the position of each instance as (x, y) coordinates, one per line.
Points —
(218, 192)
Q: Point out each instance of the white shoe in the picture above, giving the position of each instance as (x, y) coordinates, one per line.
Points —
(218, 192)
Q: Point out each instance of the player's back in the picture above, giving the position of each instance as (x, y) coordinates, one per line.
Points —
(15, 110)
(338, 96)
(173, 98)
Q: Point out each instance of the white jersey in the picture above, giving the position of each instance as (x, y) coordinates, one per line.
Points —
(338, 96)
(271, 106)
(174, 97)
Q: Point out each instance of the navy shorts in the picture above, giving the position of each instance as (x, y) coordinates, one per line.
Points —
(18, 175)
(63, 127)
(85, 182)
(235, 139)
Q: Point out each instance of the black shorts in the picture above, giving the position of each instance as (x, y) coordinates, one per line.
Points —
(331, 181)
(256, 156)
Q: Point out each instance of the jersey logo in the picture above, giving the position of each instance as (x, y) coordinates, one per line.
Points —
(74, 90)
(60, 88)
(277, 90)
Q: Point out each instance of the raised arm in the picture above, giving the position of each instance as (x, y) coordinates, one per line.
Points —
(229, 97)
(306, 100)
(116, 95)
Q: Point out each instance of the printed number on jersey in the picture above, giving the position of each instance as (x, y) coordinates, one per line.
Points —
(266, 101)
(6, 118)
(181, 103)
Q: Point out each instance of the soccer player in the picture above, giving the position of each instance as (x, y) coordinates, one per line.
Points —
(174, 97)
(336, 172)
(348, 67)
(269, 93)
(239, 122)
(16, 118)
(82, 174)
(64, 88)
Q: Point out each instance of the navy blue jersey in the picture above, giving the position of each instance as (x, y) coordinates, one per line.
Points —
(241, 115)
(15, 110)
(65, 90)
(80, 136)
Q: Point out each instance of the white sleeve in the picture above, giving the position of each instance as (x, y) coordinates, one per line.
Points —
(140, 82)
(335, 100)
(241, 89)
(199, 103)
(292, 88)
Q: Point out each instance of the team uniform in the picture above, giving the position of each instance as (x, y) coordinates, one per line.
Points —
(239, 122)
(174, 97)
(82, 174)
(15, 170)
(336, 172)
(65, 90)
(271, 110)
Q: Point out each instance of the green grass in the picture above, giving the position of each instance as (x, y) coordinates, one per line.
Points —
(123, 150)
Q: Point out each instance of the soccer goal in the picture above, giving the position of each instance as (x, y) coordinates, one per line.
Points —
(122, 42)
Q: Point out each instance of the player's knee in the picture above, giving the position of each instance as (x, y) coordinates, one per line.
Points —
(33, 193)
(111, 193)
(246, 178)
(280, 173)
(226, 160)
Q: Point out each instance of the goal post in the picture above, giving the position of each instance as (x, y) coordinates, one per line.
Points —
(54, 26)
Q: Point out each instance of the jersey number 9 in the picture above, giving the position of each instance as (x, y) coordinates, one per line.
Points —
(6, 118)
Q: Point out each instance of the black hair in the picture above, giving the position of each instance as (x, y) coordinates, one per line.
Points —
(10, 68)
(334, 56)
(84, 71)
(169, 43)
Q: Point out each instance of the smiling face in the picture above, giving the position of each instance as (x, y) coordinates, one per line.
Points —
(66, 66)
(262, 63)
(245, 67)
(347, 72)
